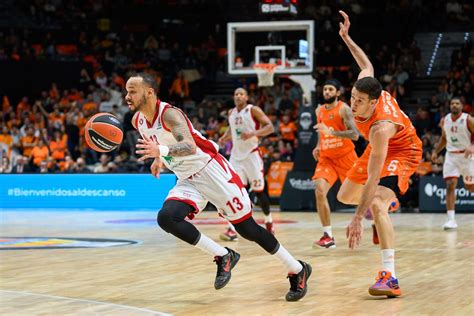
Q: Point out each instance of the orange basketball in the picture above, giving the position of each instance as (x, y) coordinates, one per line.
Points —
(103, 132)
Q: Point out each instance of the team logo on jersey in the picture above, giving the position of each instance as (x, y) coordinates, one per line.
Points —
(141, 121)
(331, 117)
(454, 139)
(168, 159)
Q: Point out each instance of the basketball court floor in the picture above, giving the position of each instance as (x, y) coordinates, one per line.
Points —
(121, 263)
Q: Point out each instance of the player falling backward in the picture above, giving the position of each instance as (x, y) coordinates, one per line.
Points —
(247, 123)
(384, 169)
(203, 176)
(457, 137)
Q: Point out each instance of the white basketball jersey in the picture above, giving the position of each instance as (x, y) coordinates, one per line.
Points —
(458, 136)
(239, 122)
(185, 166)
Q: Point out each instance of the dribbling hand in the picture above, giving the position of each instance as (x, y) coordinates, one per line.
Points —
(344, 27)
(148, 148)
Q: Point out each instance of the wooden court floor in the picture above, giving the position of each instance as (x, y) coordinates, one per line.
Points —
(161, 275)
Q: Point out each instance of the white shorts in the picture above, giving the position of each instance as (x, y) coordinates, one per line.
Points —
(219, 184)
(250, 170)
(455, 165)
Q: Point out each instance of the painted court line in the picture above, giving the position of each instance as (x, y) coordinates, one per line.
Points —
(24, 293)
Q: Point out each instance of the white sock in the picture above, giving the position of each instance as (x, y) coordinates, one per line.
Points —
(208, 245)
(451, 215)
(230, 226)
(388, 260)
(328, 230)
(268, 218)
(288, 260)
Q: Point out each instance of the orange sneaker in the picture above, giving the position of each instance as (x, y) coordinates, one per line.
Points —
(375, 235)
(385, 285)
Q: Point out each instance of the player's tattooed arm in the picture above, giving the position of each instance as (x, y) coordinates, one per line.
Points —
(351, 131)
(176, 122)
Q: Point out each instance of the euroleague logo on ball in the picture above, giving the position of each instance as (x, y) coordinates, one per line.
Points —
(103, 132)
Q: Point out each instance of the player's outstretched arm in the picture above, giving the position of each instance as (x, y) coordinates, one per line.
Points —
(367, 70)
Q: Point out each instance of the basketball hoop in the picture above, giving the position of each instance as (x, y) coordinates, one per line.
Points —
(265, 73)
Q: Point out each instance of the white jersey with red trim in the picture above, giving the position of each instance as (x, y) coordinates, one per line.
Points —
(242, 121)
(184, 166)
(458, 136)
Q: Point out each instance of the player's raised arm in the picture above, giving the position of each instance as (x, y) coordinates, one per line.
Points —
(367, 70)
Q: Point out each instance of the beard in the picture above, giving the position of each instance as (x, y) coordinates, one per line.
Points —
(329, 100)
(139, 105)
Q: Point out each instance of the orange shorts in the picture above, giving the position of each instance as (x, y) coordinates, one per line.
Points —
(332, 168)
(401, 163)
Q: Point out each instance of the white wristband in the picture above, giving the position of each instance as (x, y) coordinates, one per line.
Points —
(164, 150)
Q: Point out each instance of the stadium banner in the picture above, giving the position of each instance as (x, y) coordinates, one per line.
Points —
(276, 177)
(118, 192)
(432, 195)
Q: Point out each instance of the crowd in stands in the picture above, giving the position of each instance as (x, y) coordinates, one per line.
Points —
(44, 132)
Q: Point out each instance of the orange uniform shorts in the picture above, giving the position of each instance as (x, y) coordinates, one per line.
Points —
(331, 169)
(401, 163)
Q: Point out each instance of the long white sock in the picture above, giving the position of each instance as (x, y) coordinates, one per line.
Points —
(230, 226)
(328, 230)
(208, 245)
(293, 266)
(451, 215)
(388, 260)
(268, 218)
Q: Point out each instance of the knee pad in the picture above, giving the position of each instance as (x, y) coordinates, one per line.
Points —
(172, 213)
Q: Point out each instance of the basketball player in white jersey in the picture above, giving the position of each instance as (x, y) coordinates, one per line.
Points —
(457, 136)
(246, 124)
(204, 176)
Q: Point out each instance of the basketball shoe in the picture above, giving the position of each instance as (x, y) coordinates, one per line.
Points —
(385, 285)
(325, 242)
(450, 224)
(228, 235)
(224, 267)
(394, 206)
(269, 228)
(375, 235)
(298, 283)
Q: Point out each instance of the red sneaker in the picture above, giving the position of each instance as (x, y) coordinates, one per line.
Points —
(375, 235)
(394, 206)
(270, 229)
(325, 242)
(229, 235)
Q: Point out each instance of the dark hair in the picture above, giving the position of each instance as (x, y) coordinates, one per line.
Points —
(455, 98)
(148, 79)
(333, 82)
(369, 85)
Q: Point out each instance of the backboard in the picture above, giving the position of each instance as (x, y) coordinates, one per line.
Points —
(289, 44)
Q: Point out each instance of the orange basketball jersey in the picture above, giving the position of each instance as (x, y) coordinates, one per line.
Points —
(387, 109)
(332, 146)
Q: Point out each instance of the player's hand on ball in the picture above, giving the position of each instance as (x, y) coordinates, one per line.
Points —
(148, 148)
(156, 167)
(354, 232)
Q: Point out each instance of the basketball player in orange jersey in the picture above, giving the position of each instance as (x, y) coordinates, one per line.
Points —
(384, 169)
(334, 152)
(204, 176)
(247, 123)
(457, 131)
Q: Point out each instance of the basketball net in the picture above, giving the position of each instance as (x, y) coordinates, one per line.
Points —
(265, 73)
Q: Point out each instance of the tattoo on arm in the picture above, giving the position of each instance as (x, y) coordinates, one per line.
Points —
(176, 122)
(351, 132)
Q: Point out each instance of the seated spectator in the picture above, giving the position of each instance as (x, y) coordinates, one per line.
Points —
(39, 153)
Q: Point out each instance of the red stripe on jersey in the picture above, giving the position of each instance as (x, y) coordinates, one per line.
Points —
(255, 121)
(205, 145)
(157, 111)
(162, 115)
(235, 179)
(136, 121)
(240, 220)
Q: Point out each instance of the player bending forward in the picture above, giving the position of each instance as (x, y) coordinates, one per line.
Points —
(203, 176)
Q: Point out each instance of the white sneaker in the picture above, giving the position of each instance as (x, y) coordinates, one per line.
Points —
(450, 224)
